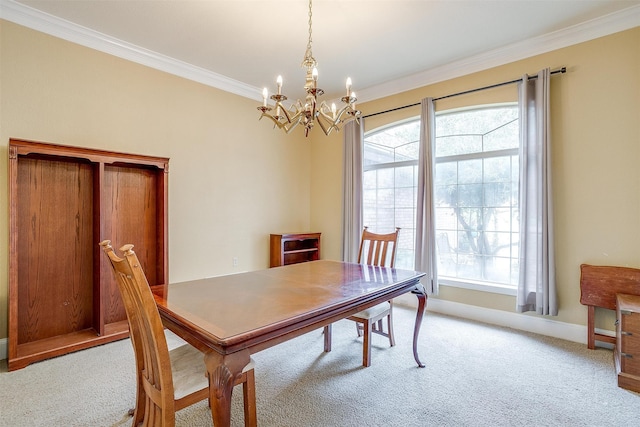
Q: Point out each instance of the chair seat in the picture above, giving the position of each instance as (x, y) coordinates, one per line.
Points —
(189, 372)
(372, 312)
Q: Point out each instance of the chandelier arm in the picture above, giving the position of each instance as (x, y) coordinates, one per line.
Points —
(273, 119)
(284, 111)
(297, 116)
(290, 127)
(326, 129)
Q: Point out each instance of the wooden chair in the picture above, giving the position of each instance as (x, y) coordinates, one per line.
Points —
(380, 250)
(167, 381)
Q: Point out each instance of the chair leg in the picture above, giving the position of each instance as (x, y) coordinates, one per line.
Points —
(138, 413)
(366, 346)
(359, 328)
(327, 338)
(392, 339)
(249, 396)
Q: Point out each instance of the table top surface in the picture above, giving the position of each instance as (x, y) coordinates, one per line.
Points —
(230, 309)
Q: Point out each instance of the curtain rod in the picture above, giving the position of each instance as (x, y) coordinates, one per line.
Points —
(559, 71)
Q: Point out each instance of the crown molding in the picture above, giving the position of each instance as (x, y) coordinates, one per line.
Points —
(48, 24)
(36, 20)
(612, 23)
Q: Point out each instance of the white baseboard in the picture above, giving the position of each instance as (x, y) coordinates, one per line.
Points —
(524, 322)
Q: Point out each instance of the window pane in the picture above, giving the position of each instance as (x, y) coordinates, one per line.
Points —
(446, 173)
(393, 144)
(504, 137)
(470, 171)
(476, 194)
(458, 144)
(497, 169)
(385, 178)
(405, 176)
(470, 195)
(497, 194)
(369, 179)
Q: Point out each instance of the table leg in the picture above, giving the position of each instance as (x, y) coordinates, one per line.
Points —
(223, 370)
(591, 327)
(422, 303)
(327, 338)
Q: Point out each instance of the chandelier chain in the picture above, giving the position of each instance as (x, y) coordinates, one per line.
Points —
(310, 14)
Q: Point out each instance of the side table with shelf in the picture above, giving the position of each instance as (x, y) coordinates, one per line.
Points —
(293, 248)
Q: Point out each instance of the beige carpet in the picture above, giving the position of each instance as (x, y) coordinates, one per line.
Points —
(476, 375)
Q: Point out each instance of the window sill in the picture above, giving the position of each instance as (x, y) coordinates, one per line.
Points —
(478, 286)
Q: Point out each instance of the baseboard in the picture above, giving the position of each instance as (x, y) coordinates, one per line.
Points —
(523, 322)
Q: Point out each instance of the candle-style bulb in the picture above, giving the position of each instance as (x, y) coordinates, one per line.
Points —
(314, 74)
(333, 110)
(279, 83)
(348, 87)
(265, 94)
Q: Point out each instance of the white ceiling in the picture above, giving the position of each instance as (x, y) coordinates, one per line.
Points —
(377, 43)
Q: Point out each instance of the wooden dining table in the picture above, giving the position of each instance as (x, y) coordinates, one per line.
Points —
(231, 317)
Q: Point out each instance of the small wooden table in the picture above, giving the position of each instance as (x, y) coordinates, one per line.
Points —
(231, 317)
(599, 285)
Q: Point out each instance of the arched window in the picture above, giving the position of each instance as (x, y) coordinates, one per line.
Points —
(476, 192)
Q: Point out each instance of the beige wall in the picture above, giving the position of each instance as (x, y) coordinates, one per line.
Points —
(596, 157)
(232, 179)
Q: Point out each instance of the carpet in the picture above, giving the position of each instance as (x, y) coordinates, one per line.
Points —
(476, 375)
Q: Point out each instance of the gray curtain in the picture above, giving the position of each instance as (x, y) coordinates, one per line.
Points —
(352, 190)
(537, 284)
(426, 255)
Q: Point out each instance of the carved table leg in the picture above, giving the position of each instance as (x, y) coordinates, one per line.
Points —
(223, 372)
(422, 304)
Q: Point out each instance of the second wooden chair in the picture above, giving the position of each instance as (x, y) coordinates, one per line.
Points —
(378, 250)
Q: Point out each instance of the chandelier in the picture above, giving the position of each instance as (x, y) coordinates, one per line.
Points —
(309, 112)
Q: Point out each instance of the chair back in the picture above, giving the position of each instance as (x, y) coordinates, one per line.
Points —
(147, 336)
(379, 248)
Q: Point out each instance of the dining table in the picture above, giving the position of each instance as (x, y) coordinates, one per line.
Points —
(231, 317)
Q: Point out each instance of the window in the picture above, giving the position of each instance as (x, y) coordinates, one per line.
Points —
(390, 162)
(476, 192)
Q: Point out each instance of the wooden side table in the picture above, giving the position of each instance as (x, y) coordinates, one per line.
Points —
(293, 248)
(627, 351)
